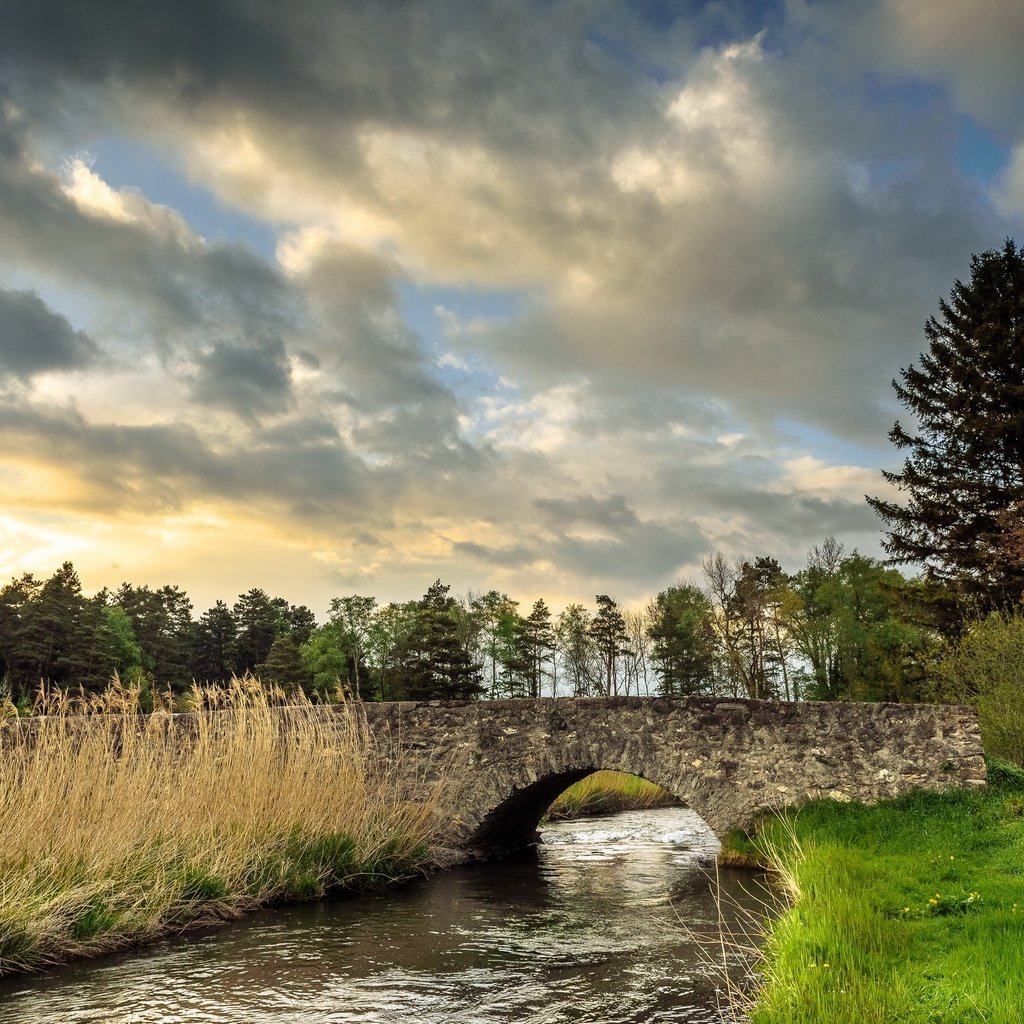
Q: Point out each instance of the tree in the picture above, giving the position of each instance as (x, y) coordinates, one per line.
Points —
(284, 666)
(608, 631)
(48, 628)
(354, 615)
(326, 659)
(856, 625)
(443, 668)
(536, 645)
(576, 646)
(391, 647)
(212, 645)
(965, 466)
(748, 598)
(258, 622)
(681, 629)
(15, 599)
(162, 624)
(496, 619)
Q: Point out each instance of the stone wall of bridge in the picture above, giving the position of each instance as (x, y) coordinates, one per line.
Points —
(727, 759)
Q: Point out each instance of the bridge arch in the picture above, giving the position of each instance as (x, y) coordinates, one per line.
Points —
(728, 760)
(512, 825)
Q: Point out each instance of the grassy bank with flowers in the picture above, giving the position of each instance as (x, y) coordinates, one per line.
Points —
(116, 829)
(909, 911)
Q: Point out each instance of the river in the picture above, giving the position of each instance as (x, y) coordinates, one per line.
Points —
(596, 928)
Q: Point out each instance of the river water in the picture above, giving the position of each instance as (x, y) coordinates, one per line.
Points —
(598, 927)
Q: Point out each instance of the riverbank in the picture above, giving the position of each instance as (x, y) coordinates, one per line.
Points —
(115, 836)
(909, 911)
(607, 792)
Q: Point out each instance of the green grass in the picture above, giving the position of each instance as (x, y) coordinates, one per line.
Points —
(608, 792)
(910, 911)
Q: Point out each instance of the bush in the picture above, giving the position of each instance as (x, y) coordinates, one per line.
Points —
(985, 668)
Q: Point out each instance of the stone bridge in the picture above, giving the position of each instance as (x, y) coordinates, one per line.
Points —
(726, 759)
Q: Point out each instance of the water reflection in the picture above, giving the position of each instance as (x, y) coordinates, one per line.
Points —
(589, 930)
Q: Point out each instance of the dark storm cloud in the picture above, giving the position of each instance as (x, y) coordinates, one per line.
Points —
(34, 339)
(499, 72)
(248, 380)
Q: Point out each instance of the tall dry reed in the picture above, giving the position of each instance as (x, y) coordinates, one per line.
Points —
(117, 827)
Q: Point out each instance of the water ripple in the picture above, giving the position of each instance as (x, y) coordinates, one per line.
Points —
(588, 931)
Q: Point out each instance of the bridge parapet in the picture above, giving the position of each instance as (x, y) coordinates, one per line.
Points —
(727, 759)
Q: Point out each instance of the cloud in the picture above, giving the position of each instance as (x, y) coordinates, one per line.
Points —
(513, 556)
(247, 380)
(35, 340)
(713, 237)
(611, 513)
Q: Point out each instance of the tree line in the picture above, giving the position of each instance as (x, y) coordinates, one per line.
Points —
(843, 626)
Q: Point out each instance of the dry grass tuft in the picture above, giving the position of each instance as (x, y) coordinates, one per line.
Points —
(117, 827)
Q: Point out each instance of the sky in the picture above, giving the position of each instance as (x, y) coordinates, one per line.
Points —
(555, 298)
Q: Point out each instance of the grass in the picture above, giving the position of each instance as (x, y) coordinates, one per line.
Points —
(909, 911)
(112, 834)
(607, 792)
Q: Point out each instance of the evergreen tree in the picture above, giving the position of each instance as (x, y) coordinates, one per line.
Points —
(284, 665)
(683, 634)
(608, 631)
(443, 668)
(297, 619)
(162, 624)
(213, 640)
(48, 629)
(258, 622)
(965, 466)
(15, 599)
(536, 645)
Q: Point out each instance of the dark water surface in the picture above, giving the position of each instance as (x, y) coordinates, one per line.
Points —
(596, 928)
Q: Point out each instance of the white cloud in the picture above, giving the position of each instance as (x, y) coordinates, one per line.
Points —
(1009, 191)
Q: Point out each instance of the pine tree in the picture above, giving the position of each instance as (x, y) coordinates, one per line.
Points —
(284, 666)
(683, 634)
(258, 623)
(536, 644)
(965, 466)
(48, 627)
(443, 669)
(608, 631)
(213, 644)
